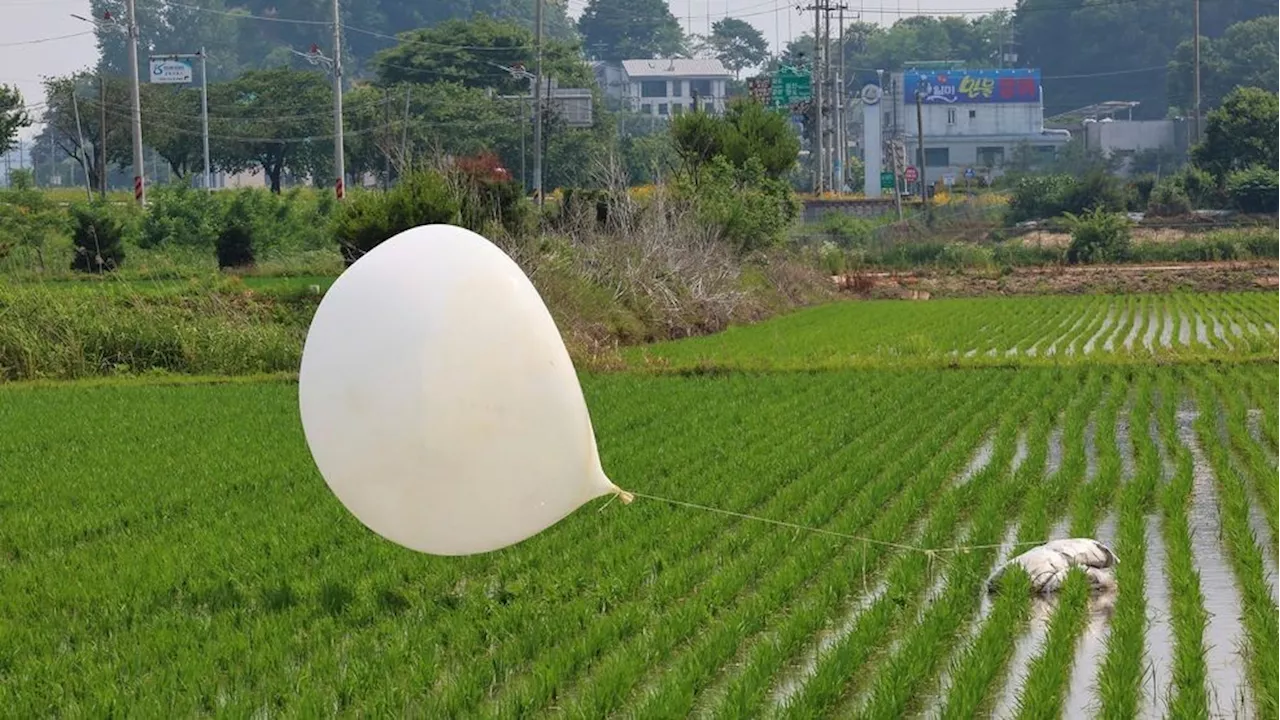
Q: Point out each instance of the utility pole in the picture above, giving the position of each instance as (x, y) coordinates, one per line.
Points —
(1195, 81)
(139, 171)
(924, 182)
(338, 151)
(537, 103)
(204, 117)
(841, 142)
(102, 135)
(819, 157)
(81, 155)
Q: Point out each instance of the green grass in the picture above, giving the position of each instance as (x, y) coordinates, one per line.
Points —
(168, 549)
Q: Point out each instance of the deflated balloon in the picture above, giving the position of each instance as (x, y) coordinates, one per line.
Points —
(439, 401)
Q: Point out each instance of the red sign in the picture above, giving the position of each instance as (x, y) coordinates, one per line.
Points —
(137, 188)
(912, 175)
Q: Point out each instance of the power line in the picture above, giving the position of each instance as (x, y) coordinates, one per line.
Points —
(37, 41)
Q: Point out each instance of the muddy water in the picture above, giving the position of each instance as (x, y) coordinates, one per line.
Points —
(1221, 597)
(1184, 329)
(1106, 325)
(980, 460)
(1153, 327)
(1091, 448)
(1166, 330)
(1053, 454)
(1220, 331)
(1024, 649)
(1020, 452)
(1159, 628)
(1081, 700)
(1254, 423)
(1202, 331)
(1134, 329)
(1125, 445)
(1110, 344)
(1053, 348)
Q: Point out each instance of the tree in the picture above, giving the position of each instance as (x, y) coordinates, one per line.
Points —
(1240, 134)
(473, 53)
(13, 117)
(1244, 56)
(276, 120)
(738, 44)
(84, 92)
(617, 30)
(748, 132)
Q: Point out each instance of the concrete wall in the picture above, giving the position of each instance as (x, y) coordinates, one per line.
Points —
(1126, 135)
(815, 209)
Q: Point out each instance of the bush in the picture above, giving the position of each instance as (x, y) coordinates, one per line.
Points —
(1037, 196)
(1168, 199)
(1097, 237)
(1199, 187)
(847, 231)
(179, 215)
(489, 196)
(422, 197)
(1097, 190)
(1254, 190)
(747, 208)
(1138, 192)
(235, 243)
(97, 236)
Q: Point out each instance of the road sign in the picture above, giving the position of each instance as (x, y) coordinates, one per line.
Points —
(886, 180)
(761, 88)
(171, 72)
(912, 174)
(969, 173)
(949, 179)
(788, 88)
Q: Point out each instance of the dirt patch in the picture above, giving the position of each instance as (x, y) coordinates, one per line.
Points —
(1065, 280)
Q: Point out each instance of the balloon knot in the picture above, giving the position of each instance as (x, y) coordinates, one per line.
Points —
(623, 495)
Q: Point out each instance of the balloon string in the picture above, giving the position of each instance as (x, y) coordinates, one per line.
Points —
(823, 531)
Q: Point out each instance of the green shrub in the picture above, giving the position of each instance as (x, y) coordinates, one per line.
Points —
(1097, 190)
(847, 231)
(490, 198)
(1037, 196)
(1138, 192)
(235, 243)
(28, 218)
(1254, 190)
(97, 236)
(421, 197)
(1168, 199)
(748, 209)
(179, 214)
(1097, 237)
(1199, 187)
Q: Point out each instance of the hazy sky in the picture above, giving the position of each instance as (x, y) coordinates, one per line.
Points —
(25, 20)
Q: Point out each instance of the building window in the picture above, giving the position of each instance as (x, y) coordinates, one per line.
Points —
(951, 116)
(646, 109)
(937, 157)
(653, 88)
(676, 108)
(662, 108)
(677, 88)
(973, 114)
(702, 87)
(991, 156)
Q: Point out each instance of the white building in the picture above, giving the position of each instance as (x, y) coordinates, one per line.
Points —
(667, 86)
(972, 119)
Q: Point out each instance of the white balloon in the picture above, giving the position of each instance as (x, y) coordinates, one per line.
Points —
(439, 401)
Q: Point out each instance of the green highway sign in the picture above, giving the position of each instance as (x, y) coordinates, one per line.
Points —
(886, 180)
(791, 87)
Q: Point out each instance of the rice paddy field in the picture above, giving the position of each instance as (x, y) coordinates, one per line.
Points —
(169, 550)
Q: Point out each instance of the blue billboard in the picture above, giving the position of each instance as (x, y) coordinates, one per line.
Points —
(1019, 85)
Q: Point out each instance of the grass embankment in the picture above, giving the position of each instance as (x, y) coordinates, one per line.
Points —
(225, 324)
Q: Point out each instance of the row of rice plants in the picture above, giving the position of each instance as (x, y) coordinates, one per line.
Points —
(1188, 683)
(797, 495)
(909, 574)
(545, 657)
(235, 429)
(1259, 609)
(899, 687)
(1251, 460)
(974, 670)
(786, 573)
(1045, 683)
(747, 690)
(1121, 674)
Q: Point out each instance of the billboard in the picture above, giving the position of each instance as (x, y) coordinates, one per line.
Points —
(171, 71)
(1019, 85)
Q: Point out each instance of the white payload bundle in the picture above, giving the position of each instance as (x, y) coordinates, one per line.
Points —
(1048, 564)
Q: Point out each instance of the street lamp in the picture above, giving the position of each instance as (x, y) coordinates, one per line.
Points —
(332, 65)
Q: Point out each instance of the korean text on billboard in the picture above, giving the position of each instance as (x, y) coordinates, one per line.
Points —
(972, 86)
